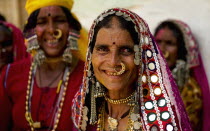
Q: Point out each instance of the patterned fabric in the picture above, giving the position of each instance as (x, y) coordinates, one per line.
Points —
(197, 81)
(159, 100)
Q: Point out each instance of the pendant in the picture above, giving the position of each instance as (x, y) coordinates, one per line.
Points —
(113, 123)
(37, 124)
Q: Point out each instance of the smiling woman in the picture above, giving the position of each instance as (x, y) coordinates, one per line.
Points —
(126, 83)
(37, 92)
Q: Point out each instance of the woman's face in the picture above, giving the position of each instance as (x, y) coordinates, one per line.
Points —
(168, 43)
(114, 45)
(6, 49)
(49, 19)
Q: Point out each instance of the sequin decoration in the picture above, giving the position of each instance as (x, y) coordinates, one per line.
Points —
(154, 128)
(151, 66)
(144, 78)
(154, 78)
(146, 39)
(149, 105)
(165, 115)
(157, 91)
(152, 117)
(161, 102)
(169, 127)
(149, 53)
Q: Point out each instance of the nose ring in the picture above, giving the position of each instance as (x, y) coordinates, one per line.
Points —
(121, 71)
(57, 34)
(166, 54)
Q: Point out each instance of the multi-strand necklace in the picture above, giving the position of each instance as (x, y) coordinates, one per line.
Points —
(59, 104)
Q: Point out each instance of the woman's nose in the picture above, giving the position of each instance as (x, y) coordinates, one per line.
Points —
(51, 27)
(114, 59)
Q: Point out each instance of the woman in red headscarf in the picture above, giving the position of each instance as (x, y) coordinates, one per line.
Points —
(12, 46)
(39, 91)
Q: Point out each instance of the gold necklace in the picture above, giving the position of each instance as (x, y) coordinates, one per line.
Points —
(134, 121)
(59, 104)
(113, 123)
(120, 101)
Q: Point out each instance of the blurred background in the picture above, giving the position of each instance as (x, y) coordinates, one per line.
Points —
(196, 13)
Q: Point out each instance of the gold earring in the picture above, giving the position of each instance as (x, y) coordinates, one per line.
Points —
(121, 71)
(166, 54)
(57, 34)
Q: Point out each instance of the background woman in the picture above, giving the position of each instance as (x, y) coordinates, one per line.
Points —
(12, 46)
(126, 84)
(39, 91)
(180, 49)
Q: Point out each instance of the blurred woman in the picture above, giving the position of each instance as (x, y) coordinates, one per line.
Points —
(180, 49)
(12, 46)
(39, 91)
(126, 83)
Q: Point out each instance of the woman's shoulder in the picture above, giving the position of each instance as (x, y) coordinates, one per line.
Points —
(20, 66)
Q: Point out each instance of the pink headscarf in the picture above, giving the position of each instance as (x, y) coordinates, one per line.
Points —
(19, 48)
(195, 64)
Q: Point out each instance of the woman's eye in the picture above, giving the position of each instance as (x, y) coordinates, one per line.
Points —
(126, 50)
(61, 20)
(102, 49)
(40, 22)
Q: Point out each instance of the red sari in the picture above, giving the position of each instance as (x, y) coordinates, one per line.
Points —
(13, 98)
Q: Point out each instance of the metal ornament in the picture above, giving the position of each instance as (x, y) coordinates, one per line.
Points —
(166, 54)
(117, 73)
(57, 34)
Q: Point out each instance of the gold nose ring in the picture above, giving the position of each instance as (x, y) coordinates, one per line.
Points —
(122, 69)
(57, 34)
(166, 54)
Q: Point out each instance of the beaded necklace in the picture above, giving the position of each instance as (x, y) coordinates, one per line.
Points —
(59, 104)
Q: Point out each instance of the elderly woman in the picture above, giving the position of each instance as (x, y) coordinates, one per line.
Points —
(12, 46)
(39, 91)
(180, 49)
(126, 83)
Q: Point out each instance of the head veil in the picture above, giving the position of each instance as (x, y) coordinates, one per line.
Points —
(19, 48)
(195, 64)
(162, 97)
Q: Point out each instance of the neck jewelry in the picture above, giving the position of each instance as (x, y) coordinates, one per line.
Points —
(113, 123)
(120, 101)
(59, 104)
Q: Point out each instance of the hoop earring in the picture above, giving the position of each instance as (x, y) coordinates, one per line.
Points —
(122, 69)
(57, 34)
(166, 54)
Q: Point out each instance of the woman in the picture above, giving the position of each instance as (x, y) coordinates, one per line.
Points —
(126, 83)
(40, 90)
(12, 46)
(180, 49)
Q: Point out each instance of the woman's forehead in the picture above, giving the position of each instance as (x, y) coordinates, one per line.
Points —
(50, 11)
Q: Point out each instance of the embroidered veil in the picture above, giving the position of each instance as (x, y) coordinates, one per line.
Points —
(160, 104)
